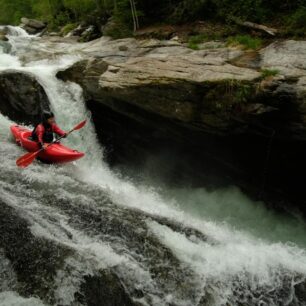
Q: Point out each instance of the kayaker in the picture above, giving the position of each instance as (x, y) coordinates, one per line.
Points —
(44, 131)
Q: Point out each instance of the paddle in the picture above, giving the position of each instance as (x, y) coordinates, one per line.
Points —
(28, 158)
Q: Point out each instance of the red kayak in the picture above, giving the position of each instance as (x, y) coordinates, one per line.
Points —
(55, 153)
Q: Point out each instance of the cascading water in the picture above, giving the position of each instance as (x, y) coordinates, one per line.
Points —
(184, 247)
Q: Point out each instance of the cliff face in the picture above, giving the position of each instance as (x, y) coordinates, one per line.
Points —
(226, 119)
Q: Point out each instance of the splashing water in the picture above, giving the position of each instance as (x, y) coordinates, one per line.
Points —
(239, 262)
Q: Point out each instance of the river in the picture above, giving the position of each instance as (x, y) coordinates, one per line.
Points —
(166, 246)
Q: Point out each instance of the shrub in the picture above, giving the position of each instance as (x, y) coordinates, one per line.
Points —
(247, 41)
(296, 23)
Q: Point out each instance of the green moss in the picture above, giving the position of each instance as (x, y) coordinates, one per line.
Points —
(195, 40)
(193, 46)
(68, 28)
(269, 72)
(247, 41)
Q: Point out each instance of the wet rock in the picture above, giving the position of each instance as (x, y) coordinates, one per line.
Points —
(22, 97)
(3, 37)
(30, 30)
(5, 46)
(77, 31)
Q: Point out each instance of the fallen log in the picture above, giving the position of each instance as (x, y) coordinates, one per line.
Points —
(257, 26)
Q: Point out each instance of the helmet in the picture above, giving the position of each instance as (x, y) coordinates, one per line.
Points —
(46, 115)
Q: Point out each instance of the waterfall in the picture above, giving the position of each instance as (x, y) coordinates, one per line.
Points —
(180, 247)
(15, 31)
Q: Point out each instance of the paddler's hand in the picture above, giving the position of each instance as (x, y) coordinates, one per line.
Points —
(43, 146)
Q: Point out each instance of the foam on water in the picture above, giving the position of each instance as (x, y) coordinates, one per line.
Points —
(11, 298)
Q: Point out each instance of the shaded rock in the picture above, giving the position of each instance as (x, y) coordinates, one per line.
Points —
(90, 33)
(3, 37)
(5, 46)
(22, 97)
(30, 30)
(104, 289)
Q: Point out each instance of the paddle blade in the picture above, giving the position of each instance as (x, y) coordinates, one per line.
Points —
(26, 159)
(79, 126)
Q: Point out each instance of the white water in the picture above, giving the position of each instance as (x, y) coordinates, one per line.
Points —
(237, 251)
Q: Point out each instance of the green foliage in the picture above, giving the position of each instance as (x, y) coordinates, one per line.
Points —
(187, 10)
(118, 29)
(60, 12)
(269, 72)
(247, 41)
(297, 22)
(12, 11)
(193, 46)
(254, 10)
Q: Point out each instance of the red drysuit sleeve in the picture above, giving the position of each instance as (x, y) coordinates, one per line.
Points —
(57, 130)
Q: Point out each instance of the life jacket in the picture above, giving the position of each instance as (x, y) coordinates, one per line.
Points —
(48, 131)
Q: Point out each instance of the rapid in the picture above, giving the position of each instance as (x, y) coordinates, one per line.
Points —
(165, 246)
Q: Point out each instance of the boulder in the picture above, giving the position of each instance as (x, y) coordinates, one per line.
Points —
(32, 23)
(22, 97)
(32, 26)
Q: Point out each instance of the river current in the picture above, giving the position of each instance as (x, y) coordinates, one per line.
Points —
(175, 246)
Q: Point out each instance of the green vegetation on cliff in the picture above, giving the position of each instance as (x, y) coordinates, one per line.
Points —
(290, 15)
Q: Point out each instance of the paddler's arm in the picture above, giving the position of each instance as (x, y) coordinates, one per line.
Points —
(58, 131)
